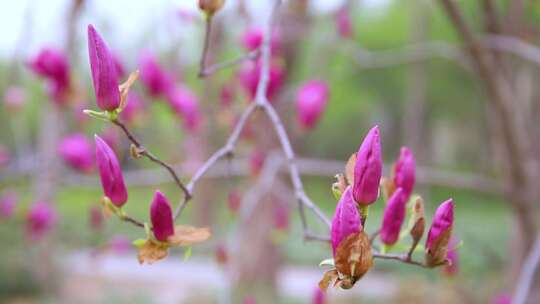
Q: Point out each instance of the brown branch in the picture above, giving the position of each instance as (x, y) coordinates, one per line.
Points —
(403, 259)
(129, 219)
(528, 271)
(205, 70)
(142, 150)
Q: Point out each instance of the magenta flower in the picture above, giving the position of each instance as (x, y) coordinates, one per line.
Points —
(96, 218)
(4, 155)
(281, 217)
(53, 65)
(110, 173)
(234, 199)
(311, 100)
(134, 108)
(344, 23)
(14, 98)
(393, 217)
(346, 220)
(250, 74)
(104, 75)
(252, 39)
(119, 244)
(119, 66)
(185, 104)
(442, 222)
(157, 81)
(319, 296)
(405, 172)
(76, 150)
(40, 219)
(368, 169)
(439, 234)
(161, 217)
(8, 204)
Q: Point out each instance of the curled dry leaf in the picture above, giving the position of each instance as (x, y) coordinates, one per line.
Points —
(151, 252)
(188, 235)
(353, 258)
(417, 219)
(124, 88)
(106, 209)
(349, 169)
(436, 255)
(329, 277)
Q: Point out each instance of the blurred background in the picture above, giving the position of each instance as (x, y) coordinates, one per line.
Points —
(467, 105)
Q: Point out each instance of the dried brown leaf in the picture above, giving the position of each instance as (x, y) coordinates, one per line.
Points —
(188, 235)
(436, 255)
(124, 88)
(328, 278)
(151, 252)
(353, 257)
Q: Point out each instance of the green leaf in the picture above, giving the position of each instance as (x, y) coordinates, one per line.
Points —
(98, 114)
(327, 262)
(139, 243)
(336, 192)
(187, 253)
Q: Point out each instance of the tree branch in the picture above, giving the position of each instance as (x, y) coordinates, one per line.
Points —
(528, 271)
(142, 150)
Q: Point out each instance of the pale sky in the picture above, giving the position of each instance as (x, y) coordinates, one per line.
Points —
(125, 22)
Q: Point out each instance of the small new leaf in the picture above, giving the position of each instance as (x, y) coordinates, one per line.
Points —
(327, 262)
(139, 243)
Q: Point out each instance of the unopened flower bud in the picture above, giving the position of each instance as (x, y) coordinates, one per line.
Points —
(40, 219)
(346, 219)
(439, 234)
(368, 169)
(104, 74)
(393, 217)
(110, 173)
(210, 7)
(76, 150)
(405, 172)
(161, 217)
(311, 101)
(157, 81)
(452, 267)
(417, 221)
(185, 104)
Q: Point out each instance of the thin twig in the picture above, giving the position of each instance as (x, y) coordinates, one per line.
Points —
(206, 46)
(528, 271)
(142, 150)
(226, 64)
(403, 259)
(129, 219)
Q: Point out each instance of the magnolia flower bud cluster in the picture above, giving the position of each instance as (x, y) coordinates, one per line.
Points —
(351, 247)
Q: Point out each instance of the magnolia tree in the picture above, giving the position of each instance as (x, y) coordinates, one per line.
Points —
(352, 248)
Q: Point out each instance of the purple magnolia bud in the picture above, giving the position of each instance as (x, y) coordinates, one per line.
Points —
(368, 169)
(133, 109)
(96, 218)
(157, 81)
(110, 173)
(14, 98)
(310, 102)
(185, 104)
(281, 217)
(76, 150)
(319, 296)
(40, 219)
(161, 217)
(104, 75)
(252, 39)
(442, 222)
(250, 74)
(346, 219)
(53, 65)
(8, 204)
(439, 234)
(393, 217)
(405, 171)
(120, 70)
(343, 23)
